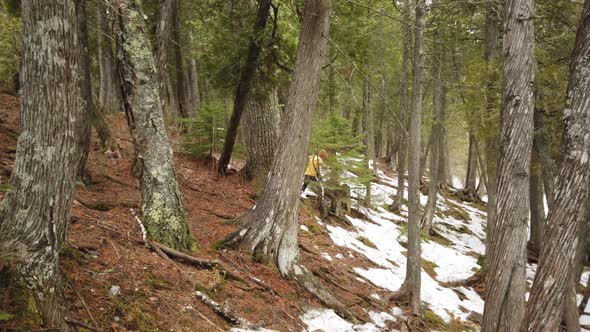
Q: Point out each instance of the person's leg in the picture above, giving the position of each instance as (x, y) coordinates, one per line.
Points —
(306, 181)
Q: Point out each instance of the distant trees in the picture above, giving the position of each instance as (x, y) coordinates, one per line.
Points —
(35, 212)
(506, 284)
(161, 201)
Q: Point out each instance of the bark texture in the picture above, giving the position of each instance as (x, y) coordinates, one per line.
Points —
(403, 110)
(269, 231)
(437, 133)
(161, 206)
(412, 283)
(109, 94)
(557, 261)
(506, 283)
(261, 131)
(537, 204)
(180, 76)
(163, 37)
(35, 212)
(194, 101)
(244, 84)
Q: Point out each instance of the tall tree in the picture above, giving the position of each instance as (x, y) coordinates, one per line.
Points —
(506, 283)
(557, 261)
(109, 95)
(244, 84)
(269, 231)
(261, 131)
(410, 289)
(163, 37)
(162, 210)
(536, 195)
(181, 92)
(83, 174)
(35, 212)
(403, 110)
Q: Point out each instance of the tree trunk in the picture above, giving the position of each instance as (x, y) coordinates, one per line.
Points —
(163, 37)
(537, 205)
(424, 156)
(369, 126)
(244, 85)
(564, 222)
(109, 96)
(444, 172)
(471, 177)
(269, 231)
(83, 175)
(541, 146)
(162, 211)
(491, 106)
(411, 287)
(506, 283)
(260, 130)
(403, 110)
(193, 88)
(35, 212)
(437, 130)
(180, 79)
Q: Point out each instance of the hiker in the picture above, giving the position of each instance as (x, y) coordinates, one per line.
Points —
(312, 172)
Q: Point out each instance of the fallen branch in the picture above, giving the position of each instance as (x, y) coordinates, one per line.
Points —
(222, 311)
(81, 324)
(143, 231)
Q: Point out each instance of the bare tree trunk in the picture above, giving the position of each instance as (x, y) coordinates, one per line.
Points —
(444, 171)
(83, 175)
(269, 231)
(557, 261)
(109, 97)
(180, 79)
(471, 176)
(403, 110)
(435, 178)
(244, 85)
(424, 156)
(369, 126)
(506, 284)
(162, 211)
(491, 105)
(35, 212)
(193, 88)
(537, 205)
(541, 146)
(260, 127)
(163, 37)
(410, 289)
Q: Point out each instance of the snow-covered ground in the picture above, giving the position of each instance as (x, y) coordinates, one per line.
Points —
(453, 261)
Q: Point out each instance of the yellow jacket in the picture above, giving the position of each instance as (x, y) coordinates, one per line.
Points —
(313, 165)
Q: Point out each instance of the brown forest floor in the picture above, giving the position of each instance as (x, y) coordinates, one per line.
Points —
(102, 250)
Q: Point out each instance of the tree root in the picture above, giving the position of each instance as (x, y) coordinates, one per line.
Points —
(311, 283)
(206, 264)
(467, 195)
(223, 312)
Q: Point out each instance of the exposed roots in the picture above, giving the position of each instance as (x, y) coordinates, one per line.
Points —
(312, 284)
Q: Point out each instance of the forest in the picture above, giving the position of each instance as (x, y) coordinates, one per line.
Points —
(295, 165)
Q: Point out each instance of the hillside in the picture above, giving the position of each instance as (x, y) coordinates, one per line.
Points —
(114, 282)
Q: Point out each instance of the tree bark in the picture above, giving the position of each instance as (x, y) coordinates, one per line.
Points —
(369, 126)
(180, 79)
(541, 146)
(163, 37)
(269, 231)
(35, 212)
(557, 261)
(471, 176)
(403, 110)
(506, 283)
(244, 85)
(537, 204)
(437, 131)
(109, 95)
(194, 101)
(444, 171)
(261, 132)
(492, 32)
(411, 287)
(162, 211)
(83, 175)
